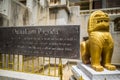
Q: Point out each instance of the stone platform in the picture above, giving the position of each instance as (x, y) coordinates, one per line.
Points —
(89, 74)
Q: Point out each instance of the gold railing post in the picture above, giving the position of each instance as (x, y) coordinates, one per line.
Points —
(0, 60)
(43, 64)
(23, 63)
(27, 66)
(32, 64)
(13, 65)
(60, 73)
(9, 61)
(55, 68)
(49, 67)
(18, 62)
(38, 63)
(4, 61)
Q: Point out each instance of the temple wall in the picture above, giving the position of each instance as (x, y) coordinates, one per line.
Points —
(38, 13)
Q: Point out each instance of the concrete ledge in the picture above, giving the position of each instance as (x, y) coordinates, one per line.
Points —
(25, 76)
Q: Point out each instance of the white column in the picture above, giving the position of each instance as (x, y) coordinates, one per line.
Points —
(33, 8)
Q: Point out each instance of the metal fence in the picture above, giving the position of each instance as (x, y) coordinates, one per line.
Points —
(31, 64)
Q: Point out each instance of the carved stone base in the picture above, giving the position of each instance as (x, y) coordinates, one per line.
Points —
(89, 74)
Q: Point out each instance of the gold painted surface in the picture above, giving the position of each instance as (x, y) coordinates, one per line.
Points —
(98, 49)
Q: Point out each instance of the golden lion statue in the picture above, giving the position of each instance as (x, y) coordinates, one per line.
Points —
(98, 48)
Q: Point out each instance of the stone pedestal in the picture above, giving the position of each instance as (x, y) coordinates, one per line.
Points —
(89, 74)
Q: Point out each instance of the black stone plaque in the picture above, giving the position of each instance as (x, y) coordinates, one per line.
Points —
(47, 41)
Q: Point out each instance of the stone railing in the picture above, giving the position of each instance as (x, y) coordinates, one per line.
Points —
(107, 10)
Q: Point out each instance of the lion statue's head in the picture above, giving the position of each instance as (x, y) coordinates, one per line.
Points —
(98, 21)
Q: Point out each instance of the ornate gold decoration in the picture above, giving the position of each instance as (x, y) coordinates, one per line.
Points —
(98, 49)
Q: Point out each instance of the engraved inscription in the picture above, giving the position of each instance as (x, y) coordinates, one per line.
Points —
(48, 41)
